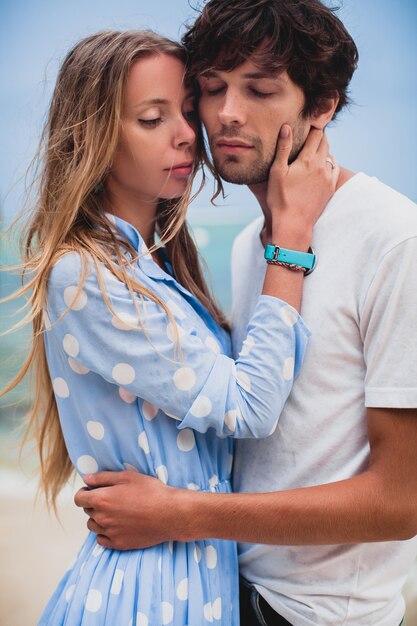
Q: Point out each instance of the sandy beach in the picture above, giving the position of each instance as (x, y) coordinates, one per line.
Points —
(35, 550)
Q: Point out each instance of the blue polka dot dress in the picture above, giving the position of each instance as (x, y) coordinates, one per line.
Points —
(128, 399)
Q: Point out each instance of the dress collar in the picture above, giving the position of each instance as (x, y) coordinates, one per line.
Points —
(154, 271)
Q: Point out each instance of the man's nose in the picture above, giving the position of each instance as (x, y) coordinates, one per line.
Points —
(232, 110)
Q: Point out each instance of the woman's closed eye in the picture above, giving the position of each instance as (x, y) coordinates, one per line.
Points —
(150, 123)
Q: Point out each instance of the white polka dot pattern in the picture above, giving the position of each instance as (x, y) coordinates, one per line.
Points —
(130, 468)
(69, 593)
(201, 406)
(77, 303)
(197, 554)
(211, 557)
(144, 443)
(124, 321)
(86, 464)
(141, 620)
(95, 430)
(171, 332)
(288, 369)
(217, 609)
(123, 374)
(185, 378)
(244, 381)
(71, 345)
(230, 420)
(98, 550)
(213, 482)
(176, 310)
(162, 473)
(182, 589)
(46, 320)
(208, 612)
(126, 396)
(211, 343)
(167, 613)
(77, 367)
(149, 411)
(93, 601)
(288, 316)
(60, 388)
(186, 440)
(117, 387)
(247, 345)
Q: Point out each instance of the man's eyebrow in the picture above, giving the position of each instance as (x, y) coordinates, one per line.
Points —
(208, 74)
(259, 75)
(249, 75)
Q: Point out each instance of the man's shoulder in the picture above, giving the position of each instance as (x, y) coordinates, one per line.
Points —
(249, 233)
(378, 193)
(376, 208)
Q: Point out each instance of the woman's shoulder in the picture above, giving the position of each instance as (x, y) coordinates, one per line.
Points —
(67, 266)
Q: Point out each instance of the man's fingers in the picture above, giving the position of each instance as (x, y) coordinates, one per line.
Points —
(284, 145)
(82, 497)
(104, 541)
(94, 527)
(88, 511)
(103, 479)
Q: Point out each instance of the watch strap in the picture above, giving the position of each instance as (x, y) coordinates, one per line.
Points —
(277, 254)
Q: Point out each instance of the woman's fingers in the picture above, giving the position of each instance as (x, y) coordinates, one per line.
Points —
(312, 145)
(283, 150)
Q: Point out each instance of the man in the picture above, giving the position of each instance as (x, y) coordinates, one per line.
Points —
(327, 538)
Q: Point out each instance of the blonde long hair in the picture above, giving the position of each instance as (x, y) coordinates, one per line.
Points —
(75, 154)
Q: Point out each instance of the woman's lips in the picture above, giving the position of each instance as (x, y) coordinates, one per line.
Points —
(183, 170)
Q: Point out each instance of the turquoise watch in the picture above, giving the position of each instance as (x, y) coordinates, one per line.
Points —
(293, 259)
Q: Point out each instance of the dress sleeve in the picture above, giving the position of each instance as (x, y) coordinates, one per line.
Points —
(389, 330)
(200, 388)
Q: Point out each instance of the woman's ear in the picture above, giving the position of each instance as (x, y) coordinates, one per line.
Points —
(324, 111)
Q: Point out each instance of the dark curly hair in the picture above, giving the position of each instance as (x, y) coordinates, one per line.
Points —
(303, 37)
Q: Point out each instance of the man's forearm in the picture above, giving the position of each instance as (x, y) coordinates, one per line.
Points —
(130, 510)
(351, 511)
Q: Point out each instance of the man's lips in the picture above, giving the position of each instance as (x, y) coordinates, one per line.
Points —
(232, 146)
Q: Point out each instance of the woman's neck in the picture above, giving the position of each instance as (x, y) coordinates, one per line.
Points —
(140, 212)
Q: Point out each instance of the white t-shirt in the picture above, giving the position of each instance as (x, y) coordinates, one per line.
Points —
(361, 305)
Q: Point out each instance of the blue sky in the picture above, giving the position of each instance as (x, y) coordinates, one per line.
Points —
(377, 135)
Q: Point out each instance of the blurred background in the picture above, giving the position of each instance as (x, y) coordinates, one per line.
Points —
(378, 135)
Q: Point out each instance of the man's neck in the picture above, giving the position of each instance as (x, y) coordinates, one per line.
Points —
(260, 190)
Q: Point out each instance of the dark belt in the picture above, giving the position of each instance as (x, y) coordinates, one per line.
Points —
(255, 611)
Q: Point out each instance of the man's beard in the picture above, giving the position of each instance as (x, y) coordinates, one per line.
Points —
(232, 171)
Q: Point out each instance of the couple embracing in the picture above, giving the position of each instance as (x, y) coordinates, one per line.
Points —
(309, 404)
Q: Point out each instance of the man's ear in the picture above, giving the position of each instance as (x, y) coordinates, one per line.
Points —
(324, 111)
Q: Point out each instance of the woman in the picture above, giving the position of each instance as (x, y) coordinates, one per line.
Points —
(130, 351)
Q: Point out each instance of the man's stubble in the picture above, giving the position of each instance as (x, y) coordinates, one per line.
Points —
(233, 171)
